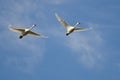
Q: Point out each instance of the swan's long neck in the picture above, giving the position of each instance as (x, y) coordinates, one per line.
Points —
(77, 24)
(32, 27)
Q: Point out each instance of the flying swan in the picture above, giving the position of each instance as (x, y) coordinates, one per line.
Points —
(24, 32)
(69, 28)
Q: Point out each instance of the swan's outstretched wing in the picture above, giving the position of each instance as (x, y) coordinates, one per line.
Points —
(37, 35)
(16, 29)
(65, 24)
(80, 29)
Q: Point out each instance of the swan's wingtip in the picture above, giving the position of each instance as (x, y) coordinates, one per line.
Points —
(90, 28)
(43, 36)
(56, 14)
(9, 26)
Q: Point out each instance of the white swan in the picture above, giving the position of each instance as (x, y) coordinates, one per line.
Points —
(69, 28)
(24, 32)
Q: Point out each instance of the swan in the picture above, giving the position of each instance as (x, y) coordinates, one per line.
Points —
(24, 32)
(69, 28)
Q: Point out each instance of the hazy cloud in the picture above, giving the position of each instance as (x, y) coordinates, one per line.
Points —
(23, 55)
(87, 46)
(58, 2)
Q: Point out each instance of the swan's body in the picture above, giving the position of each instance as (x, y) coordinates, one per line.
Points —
(69, 28)
(24, 32)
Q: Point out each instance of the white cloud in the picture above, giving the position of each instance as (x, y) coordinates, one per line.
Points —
(22, 13)
(58, 2)
(87, 46)
(22, 54)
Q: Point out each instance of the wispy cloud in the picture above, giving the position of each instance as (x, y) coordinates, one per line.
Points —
(22, 13)
(86, 45)
(23, 55)
(58, 2)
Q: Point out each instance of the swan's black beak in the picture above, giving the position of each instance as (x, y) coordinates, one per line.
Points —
(78, 22)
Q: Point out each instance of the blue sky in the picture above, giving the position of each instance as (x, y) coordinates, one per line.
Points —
(89, 55)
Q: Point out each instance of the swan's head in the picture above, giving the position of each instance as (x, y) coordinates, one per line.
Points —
(67, 34)
(78, 23)
(20, 37)
(34, 25)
